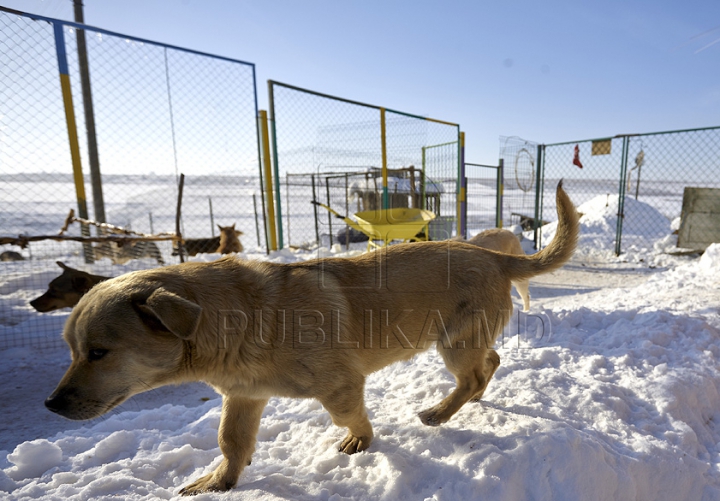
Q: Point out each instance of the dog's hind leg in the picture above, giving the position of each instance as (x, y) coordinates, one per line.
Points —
(472, 369)
(492, 362)
(523, 288)
(239, 424)
(346, 406)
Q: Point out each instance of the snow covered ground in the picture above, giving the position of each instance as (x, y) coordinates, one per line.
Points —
(608, 389)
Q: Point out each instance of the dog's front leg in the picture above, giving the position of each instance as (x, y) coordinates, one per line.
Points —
(239, 425)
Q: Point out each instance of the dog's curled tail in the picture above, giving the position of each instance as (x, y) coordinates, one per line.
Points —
(560, 249)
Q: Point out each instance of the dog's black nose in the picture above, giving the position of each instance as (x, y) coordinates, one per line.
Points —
(54, 403)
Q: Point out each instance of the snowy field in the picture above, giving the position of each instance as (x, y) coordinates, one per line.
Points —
(608, 389)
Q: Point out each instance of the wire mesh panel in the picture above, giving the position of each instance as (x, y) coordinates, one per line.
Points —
(334, 140)
(660, 168)
(519, 179)
(591, 171)
(632, 188)
(158, 111)
(483, 201)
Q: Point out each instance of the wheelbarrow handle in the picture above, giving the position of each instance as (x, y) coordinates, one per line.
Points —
(315, 202)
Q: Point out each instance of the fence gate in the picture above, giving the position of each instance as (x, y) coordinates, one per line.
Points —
(357, 155)
(484, 197)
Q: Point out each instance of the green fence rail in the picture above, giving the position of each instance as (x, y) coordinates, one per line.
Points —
(377, 157)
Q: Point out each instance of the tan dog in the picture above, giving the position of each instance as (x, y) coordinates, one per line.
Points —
(66, 290)
(314, 329)
(505, 241)
(229, 241)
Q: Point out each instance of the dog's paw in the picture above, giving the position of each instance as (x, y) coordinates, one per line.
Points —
(208, 483)
(352, 444)
(431, 417)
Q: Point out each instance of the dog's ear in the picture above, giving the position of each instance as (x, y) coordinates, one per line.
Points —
(176, 314)
(81, 283)
(238, 232)
(62, 265)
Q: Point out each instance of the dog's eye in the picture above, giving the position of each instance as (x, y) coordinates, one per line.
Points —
(96, 354)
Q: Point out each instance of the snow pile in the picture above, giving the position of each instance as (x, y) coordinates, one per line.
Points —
(609, 394)
(643, 228)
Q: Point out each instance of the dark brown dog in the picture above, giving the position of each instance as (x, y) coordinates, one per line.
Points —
(11, 256)
(195, 246)
(66, 290)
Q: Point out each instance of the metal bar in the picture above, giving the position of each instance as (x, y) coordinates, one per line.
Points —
(78, 26)
(538, 209)
(172, 114)
(422, 182)
(287, 202)
(441, 144)
(93, 155)
(261, 177)
(276, 171)
(462, 188)
(500, 192)
(541, 180)
(315, 211)
(621, 197)
(383, 146)
(642, 134)
(358, 103)
(268, 175)
(347, 211)
(327, 197)
(482, 165)
(72, 135)
(212, 217)
(257, 226)
(410, 115)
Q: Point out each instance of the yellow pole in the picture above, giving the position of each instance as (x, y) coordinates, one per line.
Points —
(383, 143)
(264, 131)
(461, 195)
(66, 91)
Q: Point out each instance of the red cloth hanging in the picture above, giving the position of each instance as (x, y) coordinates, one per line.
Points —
(576, 157)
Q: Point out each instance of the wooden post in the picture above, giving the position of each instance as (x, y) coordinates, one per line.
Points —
(177, 218)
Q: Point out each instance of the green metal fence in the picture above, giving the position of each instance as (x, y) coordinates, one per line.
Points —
(484, 195)
(357, 154)
(638, 180)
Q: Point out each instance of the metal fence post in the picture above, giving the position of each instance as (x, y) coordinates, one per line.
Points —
(499, 195)
(93, 155)
(271, 100)
(621, 196)
(461, 189)
(383, 146)
(72, 135)
(539, 182)
(268, 175)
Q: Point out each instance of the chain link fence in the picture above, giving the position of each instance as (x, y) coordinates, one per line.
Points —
(518, 159)
(333, 150)
(484, 197)
(637, 191)
(157, 111)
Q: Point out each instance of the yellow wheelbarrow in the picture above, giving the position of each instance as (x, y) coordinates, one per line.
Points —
(399, 223)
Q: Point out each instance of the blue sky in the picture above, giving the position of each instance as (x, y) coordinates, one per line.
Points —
(546, 71)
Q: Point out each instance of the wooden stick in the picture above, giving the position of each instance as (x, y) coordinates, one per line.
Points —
(23, 240)
(178, 233)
